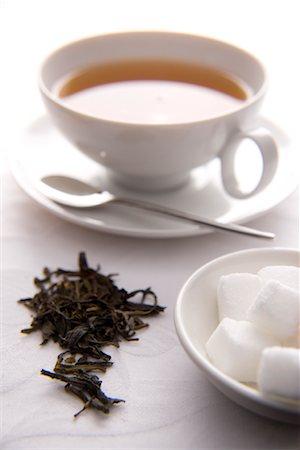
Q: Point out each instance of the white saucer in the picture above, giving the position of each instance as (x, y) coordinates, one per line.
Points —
(42, 150)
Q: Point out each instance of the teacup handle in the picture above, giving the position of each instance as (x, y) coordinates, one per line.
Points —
(268, 149)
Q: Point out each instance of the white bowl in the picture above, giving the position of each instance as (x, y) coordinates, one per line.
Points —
(196, 317)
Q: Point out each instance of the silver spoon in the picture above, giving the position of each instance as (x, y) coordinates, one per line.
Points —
(87, 197)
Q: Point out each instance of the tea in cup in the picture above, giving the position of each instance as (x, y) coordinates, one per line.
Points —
(152, 106)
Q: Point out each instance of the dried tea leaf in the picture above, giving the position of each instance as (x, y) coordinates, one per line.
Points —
(88, 388)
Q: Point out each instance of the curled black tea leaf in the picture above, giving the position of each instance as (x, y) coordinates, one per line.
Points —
(88, 388)
(71, 365)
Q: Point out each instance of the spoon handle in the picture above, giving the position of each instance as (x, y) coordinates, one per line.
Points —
(235, 228)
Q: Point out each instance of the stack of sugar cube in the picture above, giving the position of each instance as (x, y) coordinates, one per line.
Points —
(258, 336)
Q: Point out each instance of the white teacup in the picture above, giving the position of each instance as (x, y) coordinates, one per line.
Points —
(152, 106)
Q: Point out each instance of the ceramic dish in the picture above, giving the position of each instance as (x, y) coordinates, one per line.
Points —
(196, 317)
(42, 150)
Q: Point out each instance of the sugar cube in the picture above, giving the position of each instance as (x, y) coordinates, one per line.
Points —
(236, 292)
(276, 309)
(288, 275)
(279, 372)
(235, 348)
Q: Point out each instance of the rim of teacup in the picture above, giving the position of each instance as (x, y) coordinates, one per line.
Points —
(55, 99)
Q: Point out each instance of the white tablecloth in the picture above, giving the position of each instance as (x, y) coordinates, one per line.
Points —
(169, 402)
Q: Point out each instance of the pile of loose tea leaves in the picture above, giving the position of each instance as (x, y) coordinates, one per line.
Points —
(83, 311)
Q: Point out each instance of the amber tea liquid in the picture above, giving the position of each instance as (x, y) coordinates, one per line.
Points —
(152, 91)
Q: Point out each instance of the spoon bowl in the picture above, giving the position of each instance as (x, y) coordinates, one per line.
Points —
(73, 192)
